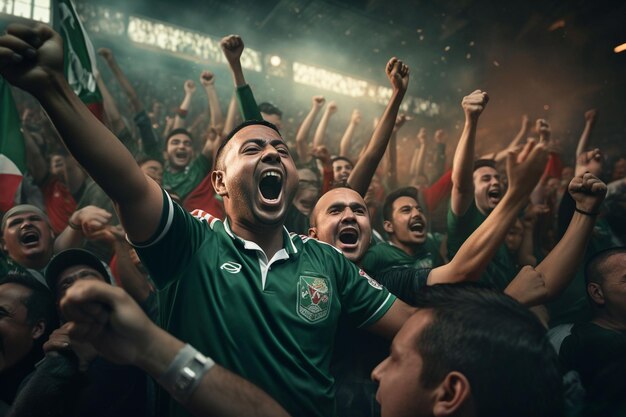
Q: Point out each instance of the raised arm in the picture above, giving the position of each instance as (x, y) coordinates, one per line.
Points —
(515, 143)
(232, 116)
(523, 170)
(463, 163)
(190, 89)
(207, 79)
(320, 132)
(36, 163)
(417, 167)
(32, 58)
(590, 121)
(109, 319)
(346, 139)
(361, 175)
(119, 75)
(302, 137)
(110, 107)
(232, 47)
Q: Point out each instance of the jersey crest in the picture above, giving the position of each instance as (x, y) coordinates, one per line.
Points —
(314, 297)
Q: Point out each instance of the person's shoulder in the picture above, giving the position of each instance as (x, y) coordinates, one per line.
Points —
(212, 222)
(307, 243)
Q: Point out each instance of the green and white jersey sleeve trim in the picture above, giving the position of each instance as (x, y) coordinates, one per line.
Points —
(380, 311)
(165, 223)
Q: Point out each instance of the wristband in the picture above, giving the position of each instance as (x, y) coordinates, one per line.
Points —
(73, 226)
(184, 373)
(586, 213)
(182, 113)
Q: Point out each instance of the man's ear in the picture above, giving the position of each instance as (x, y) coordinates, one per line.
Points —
(38, 330)
(313, 232)
(453, 396)
(388, 226)
(217, 178)
(595, 292)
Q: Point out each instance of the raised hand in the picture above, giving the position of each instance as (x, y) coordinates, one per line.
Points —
(440, 136)
(318, 101)
(106, 53)
(332, 107)
(90, 219)
(109, 319)
(60, 341)
(591, 115)
(543, 129)
(232, 46)
(31, 56)
(398, 74)
(355, 118)
(321, 153)
(474, 104)
(528, 286)
(588, 192)
(524, 168)
(190, 87)
(590, 161)
(207, 78)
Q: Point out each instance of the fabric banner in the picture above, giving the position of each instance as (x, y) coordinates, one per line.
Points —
(12, 148)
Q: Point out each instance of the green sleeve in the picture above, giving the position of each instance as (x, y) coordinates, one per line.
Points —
(363, 299)
(247, 104)
(169, 252)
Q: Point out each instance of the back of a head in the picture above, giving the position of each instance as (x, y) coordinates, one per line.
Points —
(499, 345)
(596, 267)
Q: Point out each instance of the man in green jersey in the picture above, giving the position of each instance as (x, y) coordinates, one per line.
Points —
(409, 242)
(184, 170)
(262, 303)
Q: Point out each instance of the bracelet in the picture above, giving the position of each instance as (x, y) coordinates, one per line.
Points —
(586, 213)
(182, 113)
(73, 226)
(185, 372)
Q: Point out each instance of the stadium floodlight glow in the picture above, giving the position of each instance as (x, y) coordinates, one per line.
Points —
(185, 42)
(328, 80)
(275, 60)
(36, 10)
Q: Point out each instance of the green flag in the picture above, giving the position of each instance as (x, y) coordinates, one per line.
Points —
(12, 148)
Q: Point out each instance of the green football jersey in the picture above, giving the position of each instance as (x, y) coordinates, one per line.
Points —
(184, 182)
(502, 269)
(271, 321)
(384, 256)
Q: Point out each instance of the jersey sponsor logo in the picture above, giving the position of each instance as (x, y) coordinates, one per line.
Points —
(370, 280)
(314, 297)
(232, 267)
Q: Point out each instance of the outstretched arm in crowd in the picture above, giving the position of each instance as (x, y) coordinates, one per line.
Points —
(232, 116)
(114, 324)
(559, 267)
(207, 79)
(516, 142)
(232, 47)
(346, 139)
(116, 123)
(361, 175)
(82, 224)
(463, 163)
(302, 137)
(590, 121)
(31, 58)
(151, 143)
(183, 110)
(417, 164)
(320, 133)
(523, 170)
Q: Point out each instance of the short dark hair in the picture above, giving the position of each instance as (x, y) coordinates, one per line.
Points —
(269, 108)
(142, 159)
(179, 131)
(393, 196)
(341, 158)
(479, 163)
(594, 271)
(496, 343)
(39, 305)
(233, 132)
